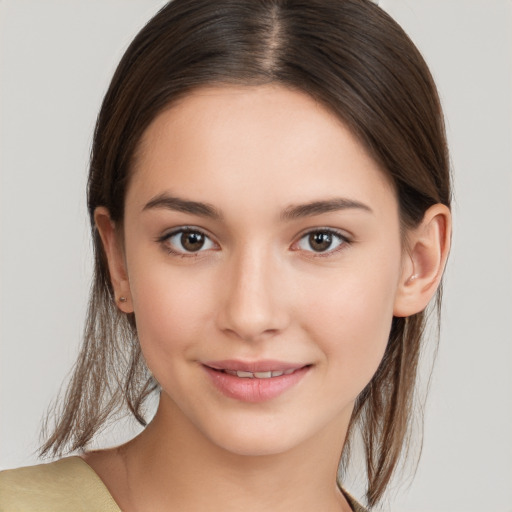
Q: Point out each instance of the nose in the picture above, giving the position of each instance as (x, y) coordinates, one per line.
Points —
(253, 304)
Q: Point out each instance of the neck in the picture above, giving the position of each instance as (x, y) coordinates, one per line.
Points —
(171, 462)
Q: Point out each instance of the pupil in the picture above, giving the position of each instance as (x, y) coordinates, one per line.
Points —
(320, 241)
(192, 241)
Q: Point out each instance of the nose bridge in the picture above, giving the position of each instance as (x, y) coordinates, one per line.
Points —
(252, 307)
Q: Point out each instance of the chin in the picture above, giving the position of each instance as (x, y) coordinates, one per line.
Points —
(253, 436)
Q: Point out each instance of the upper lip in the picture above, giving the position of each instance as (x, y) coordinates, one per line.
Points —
(266, 365)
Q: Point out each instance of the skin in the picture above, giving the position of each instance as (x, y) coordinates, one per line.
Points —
(257, 289)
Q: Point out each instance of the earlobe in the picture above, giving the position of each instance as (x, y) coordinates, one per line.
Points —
(425, 260)
(115, 256)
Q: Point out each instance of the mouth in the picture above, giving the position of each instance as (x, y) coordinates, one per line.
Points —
(265, 369)
(256, 381)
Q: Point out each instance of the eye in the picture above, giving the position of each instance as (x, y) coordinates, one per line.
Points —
(321, 241)
(186, 241)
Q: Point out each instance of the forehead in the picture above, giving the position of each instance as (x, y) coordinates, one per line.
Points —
(276, 143)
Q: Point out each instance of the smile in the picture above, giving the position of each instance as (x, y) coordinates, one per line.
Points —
(254, 382)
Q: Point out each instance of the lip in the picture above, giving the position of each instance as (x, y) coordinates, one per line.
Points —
(254, 390)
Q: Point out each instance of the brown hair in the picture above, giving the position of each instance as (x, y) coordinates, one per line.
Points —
(347, 54)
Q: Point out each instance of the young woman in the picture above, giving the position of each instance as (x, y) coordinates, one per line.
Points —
(269, 195)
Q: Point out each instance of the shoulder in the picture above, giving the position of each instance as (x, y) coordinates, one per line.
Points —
(64, 485)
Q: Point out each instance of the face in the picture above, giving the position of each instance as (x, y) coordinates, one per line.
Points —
(263, 255)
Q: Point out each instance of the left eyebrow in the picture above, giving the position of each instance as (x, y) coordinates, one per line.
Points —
(319, 207)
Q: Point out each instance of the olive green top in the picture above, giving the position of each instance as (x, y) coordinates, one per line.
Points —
(67, 485)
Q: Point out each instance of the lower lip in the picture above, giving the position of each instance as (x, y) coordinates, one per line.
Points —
(254, 390)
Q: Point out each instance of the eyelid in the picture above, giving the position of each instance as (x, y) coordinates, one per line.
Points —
(345, 241)
(181, 229)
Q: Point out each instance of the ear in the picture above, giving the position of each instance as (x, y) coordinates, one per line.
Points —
(427, 250)
(113, 247)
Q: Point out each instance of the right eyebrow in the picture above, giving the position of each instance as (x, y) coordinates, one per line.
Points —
(178, 204)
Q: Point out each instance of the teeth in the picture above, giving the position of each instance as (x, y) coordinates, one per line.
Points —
(247, 375)
(259, 375)
(263, 375)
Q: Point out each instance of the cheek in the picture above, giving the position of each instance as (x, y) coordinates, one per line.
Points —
(171, 311)
(351, 323)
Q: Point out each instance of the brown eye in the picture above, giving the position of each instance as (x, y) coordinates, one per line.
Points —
(187, 241)
(321, 241)
(192, 240)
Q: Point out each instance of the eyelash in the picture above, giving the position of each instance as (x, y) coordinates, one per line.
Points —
(342, 239)
(182, 230)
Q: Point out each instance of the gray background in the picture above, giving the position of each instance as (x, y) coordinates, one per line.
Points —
(56, 58)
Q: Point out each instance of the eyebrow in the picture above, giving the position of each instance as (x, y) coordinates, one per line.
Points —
(168, 202)
(201, 209)
(319, 207)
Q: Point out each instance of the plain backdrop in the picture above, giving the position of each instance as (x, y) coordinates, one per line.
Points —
(56, 59)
